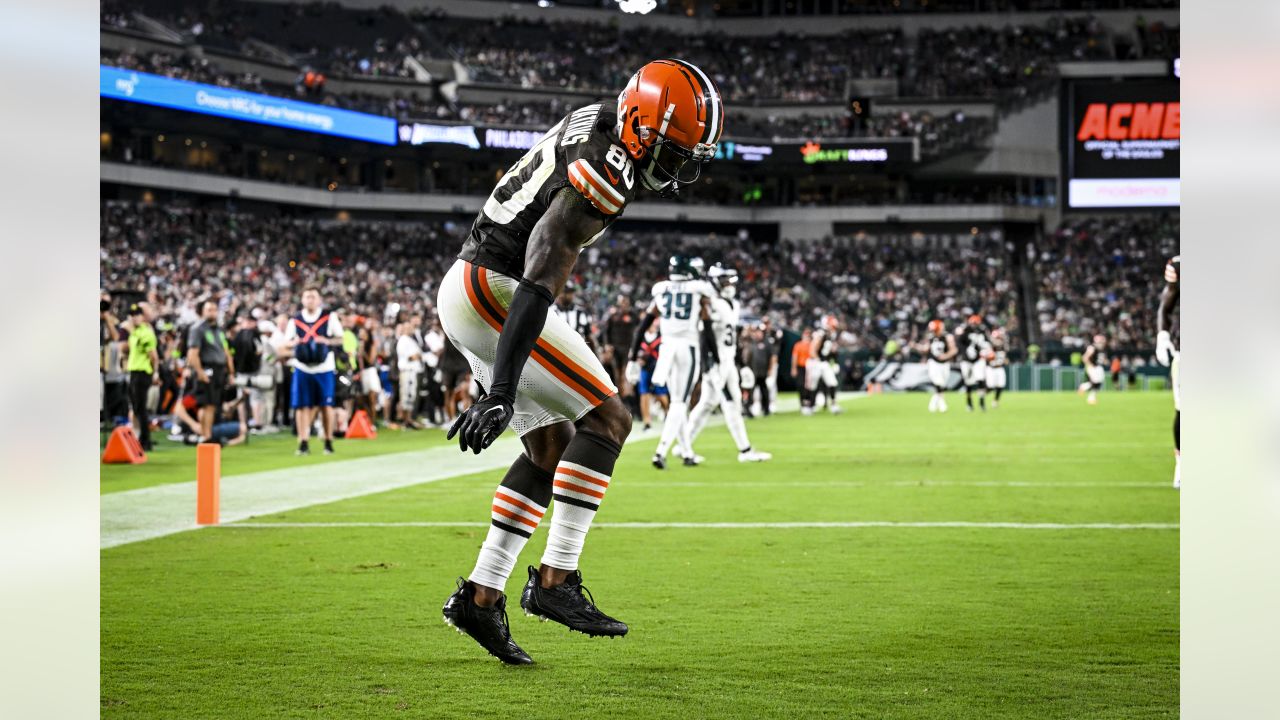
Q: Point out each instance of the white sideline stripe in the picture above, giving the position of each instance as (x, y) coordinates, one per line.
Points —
(641, 484)
(739, 525)
(135, 515)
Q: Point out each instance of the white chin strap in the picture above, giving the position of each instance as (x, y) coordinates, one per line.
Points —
(650, 180)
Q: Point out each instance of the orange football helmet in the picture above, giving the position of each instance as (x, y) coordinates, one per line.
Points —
(936, 327)
(672, 114)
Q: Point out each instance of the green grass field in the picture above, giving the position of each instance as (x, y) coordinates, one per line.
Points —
(342, 620)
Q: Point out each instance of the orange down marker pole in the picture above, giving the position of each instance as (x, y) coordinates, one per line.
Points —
(208, 478)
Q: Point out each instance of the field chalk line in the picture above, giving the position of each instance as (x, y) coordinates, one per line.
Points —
(735, 525)
(145, 513)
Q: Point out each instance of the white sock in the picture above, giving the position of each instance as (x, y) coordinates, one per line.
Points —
(673, 427)
(518, 506)
(737, 428)
(699, 417)
(581, 480)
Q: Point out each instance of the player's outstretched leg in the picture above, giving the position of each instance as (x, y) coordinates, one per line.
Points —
(982, 399)
(700, 415)
(582, 476)
(968, 396)
(732, 413)
(673, 431)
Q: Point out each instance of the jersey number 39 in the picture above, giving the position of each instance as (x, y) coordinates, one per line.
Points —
(678, 306)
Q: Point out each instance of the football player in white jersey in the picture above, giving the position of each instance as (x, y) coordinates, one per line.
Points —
(820, 371)
(720, 381)
(683, 301)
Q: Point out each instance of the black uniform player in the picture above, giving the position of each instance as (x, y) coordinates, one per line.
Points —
(940, 348)
(972, 340)
(574, 314)
(577, 152)
(997, 360)
(1167, 354)
(1095, 363)
(537, 373)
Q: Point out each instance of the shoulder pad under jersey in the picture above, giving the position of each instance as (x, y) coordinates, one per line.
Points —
(597, 166)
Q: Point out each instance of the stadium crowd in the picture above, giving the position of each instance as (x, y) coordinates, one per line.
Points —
(190, 291)
(1090, 275)
(1103, 275)
(1006, 64)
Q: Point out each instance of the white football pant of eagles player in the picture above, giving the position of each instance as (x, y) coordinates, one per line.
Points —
(720, 382)
(683, 302)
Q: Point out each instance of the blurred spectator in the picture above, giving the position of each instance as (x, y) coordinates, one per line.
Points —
(409, 359)
(115, 382)
(209, 360)
(143, 362)
(1088, 275)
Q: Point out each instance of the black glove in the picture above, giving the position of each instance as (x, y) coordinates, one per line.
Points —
(482, 423)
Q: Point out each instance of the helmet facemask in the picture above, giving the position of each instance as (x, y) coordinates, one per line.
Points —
(671, 166)
(725, 281)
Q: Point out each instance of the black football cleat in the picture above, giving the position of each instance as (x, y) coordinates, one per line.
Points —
(486, 625)
(660, 462)
(569, 604)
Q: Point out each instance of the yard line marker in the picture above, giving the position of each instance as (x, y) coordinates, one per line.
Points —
(740, 525)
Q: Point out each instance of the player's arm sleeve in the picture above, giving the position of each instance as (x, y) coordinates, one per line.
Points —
(553, 249)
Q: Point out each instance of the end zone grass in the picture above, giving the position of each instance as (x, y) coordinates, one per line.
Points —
(343, 620)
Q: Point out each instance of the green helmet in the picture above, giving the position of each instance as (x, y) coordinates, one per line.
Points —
(684, 267)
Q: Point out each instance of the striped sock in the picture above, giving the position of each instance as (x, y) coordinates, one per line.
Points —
(518, 506)
(581, 479)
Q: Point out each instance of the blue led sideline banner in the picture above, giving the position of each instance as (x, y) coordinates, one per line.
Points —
(140, 87)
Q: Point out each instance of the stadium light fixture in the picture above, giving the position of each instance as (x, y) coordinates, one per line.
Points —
(642, 7)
